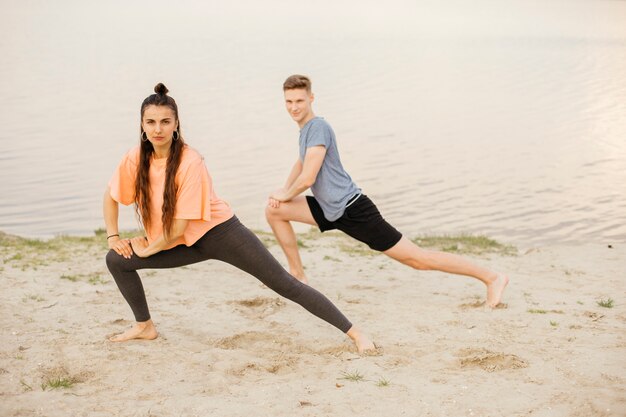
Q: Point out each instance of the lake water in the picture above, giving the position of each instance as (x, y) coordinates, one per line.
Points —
(502, 118)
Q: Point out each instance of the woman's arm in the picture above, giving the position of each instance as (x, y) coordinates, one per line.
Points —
(143, 250)
(110, 209)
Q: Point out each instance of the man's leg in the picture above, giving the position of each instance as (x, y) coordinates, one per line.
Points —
(412, 255)
(296, 210)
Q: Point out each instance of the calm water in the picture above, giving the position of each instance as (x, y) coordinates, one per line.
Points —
(503, 118)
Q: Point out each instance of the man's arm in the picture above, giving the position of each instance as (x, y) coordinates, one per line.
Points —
(296, 170)
(313, 160)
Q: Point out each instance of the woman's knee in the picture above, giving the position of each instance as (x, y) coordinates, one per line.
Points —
(114, 260)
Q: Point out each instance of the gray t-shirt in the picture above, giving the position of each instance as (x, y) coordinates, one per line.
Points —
(333, 186)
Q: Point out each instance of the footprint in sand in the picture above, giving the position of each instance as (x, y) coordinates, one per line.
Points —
(259, 341)
(481, 304)
(489, 361)
(362, 287)
(259, 307)
(276, 365)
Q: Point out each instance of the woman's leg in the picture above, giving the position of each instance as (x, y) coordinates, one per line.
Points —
(241, 248)
(125, 274)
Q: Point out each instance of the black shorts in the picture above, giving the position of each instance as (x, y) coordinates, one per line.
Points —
(361, 220)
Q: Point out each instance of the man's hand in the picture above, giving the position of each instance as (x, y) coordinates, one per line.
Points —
(276, 198)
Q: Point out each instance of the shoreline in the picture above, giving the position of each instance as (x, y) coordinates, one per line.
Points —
(229, 346)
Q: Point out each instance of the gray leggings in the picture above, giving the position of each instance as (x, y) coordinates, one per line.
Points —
(229, 242)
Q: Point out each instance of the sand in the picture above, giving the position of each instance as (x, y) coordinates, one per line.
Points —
(228, 346)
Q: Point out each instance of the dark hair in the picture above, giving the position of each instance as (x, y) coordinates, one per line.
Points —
(142, 181)
(297, 81)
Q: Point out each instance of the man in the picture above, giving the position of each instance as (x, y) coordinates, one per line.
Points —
(337, 203)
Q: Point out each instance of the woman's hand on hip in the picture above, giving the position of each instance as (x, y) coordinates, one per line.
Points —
(121, 246)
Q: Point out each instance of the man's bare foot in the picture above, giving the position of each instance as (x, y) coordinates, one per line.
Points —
(142, 330)
(495, 290)
(300, 277)
(362, 342)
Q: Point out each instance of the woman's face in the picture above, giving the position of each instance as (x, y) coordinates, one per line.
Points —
(159, 123)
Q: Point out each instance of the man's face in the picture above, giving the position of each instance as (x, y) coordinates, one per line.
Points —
(298, 104)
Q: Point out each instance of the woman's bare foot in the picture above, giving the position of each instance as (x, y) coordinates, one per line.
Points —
(362, 342)
(495, 290)
(142, 330)
(300, 277)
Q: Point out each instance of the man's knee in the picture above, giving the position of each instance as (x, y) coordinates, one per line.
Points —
(416, 258)
(421, 259)
(272, 213)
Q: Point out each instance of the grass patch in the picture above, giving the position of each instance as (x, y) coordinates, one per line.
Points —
(541, 311)
(383, 382)
(58, 383)
(33, 297)
(608, 303)
(27, 253)
(465, 244)
(93, 278)
(553, 323)
(60, 378)
(355, 376)
(331, 258)
(343, 242)
(72, 278)
(267, 238)
(353, 247)
(16, 257)
(356, 250)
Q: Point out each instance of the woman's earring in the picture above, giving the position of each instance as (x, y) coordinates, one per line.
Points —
(144, 137)
(175, 135)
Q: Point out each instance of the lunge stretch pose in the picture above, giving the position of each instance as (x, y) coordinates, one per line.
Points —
(337, 202)
(186, 222)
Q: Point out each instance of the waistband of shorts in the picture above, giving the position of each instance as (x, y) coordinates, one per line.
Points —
(353, 199)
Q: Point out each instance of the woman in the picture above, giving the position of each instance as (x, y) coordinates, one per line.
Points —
(186, 222)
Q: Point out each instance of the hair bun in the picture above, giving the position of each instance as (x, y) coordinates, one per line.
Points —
(161, 89)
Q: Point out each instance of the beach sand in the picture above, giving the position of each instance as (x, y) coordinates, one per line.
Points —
(228, 346)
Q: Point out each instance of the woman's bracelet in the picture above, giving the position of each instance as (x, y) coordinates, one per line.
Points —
(108, 237)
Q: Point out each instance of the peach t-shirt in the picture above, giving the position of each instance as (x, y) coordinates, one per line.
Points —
(196, 200)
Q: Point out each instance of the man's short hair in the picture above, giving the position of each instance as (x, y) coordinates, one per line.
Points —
(297, 81)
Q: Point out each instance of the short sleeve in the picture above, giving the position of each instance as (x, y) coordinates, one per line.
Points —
(122, 183)
(319, 134)
(194, 192)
